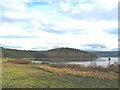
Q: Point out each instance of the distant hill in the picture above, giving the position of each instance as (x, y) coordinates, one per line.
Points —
(106, 53)
(69, 53)
(14, 53)
(58, 53)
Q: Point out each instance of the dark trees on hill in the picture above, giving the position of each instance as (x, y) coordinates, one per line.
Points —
(54, 53)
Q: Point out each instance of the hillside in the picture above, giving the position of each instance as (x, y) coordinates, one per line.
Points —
(13, 53)
(69, 53)
(106, 53)
(58, 53)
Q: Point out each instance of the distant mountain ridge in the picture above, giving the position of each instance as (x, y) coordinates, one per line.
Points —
(53, 53)
(106, 53)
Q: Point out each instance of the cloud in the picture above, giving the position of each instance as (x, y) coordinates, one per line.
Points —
(13, 4)
(92, 10)
(50, 28)
(83, 24)
(38, 48)
(16, 16)
(95, 14)
(113, 31)
(16, 36)
(13, 47)
(64, 6)
(107, 4)
(46, 25)
(11, 29)
(95, 46)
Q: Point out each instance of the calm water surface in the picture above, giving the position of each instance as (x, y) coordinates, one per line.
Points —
(102, 61)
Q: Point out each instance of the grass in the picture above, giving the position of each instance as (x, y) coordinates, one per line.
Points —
(96, 74)
(28, 76)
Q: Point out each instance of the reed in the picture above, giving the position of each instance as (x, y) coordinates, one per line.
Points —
(60, 71)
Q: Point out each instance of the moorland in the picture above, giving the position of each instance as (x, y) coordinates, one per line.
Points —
(19, 72)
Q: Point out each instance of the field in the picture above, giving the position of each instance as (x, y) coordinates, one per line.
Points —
(45, 76)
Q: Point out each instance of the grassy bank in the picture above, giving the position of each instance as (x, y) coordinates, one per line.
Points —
(28, 76)
(64, 71)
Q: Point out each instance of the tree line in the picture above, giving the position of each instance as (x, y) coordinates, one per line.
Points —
(53, 53)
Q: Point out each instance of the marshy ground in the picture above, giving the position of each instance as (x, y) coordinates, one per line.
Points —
(57, 76)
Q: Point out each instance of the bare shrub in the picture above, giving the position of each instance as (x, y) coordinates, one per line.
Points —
(22, 61)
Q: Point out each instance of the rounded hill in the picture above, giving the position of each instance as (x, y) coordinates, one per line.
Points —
(69, 53)
(66, 50)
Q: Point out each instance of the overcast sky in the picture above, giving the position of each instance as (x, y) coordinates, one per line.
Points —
(44, 24)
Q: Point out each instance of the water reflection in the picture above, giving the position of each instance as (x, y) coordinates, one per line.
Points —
(103, 61)
(99, 62)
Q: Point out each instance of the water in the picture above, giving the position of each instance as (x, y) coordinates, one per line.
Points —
(102, 61)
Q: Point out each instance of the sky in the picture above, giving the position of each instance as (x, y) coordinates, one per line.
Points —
(90, 25)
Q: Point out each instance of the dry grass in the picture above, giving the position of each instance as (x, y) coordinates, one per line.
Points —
(28, 76)
(100, 75)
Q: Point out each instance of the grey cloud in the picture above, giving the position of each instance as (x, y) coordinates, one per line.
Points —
(16, 36)
(55, 46)
(113, 31)
(12, 20)
(51, 28)
(17, 47)
(37, 48)
(94, 46)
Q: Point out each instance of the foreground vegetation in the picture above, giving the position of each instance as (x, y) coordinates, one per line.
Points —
(51, 76)
(68, 71)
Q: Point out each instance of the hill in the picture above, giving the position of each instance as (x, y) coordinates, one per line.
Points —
(14, 53)
(106, 53)
(69, 53)
(58, 53)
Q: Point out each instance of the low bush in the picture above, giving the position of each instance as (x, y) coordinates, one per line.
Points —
(22, 61)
